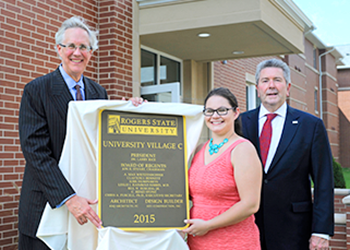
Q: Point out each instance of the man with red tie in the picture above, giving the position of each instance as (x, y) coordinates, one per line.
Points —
(294, 148)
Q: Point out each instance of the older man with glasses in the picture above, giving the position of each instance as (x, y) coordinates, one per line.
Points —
(42, 129)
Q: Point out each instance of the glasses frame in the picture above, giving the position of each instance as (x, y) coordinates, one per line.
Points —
(88, 48)
(216, 110)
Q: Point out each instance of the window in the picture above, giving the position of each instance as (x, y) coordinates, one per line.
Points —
(158, 69)
(169, 70)
(148, 68)
(315, 57)
(252, 99)
(316, 100)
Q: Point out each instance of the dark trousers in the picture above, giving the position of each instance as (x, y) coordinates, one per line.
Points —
(26, 242)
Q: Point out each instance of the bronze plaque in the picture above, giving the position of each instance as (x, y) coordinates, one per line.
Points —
(143, 183)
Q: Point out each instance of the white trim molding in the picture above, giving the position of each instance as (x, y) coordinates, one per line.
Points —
(344, 89)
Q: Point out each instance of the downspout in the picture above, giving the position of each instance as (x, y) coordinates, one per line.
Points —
(320, 80)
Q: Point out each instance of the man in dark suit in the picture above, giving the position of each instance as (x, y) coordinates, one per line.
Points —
(42, 130)
(288, 217)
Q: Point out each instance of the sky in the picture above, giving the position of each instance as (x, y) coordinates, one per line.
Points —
(331, 18)
(332, 21)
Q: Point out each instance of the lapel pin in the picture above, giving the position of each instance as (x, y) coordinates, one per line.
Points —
(294, 122)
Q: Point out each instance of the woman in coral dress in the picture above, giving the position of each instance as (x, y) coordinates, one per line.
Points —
(225, 182)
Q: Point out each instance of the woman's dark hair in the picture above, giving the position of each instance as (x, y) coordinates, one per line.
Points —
(227, 94)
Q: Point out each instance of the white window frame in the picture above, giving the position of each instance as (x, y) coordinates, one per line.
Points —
(251, 96)
(316, 100)
(173, 88)
(252, 92)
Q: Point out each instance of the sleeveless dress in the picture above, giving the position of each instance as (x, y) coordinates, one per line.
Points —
(213, 190)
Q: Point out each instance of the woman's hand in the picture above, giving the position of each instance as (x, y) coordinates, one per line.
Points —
(198, 227)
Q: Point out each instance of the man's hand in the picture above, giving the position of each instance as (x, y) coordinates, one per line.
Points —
(136, 101)
(80, 208)
(318, 243)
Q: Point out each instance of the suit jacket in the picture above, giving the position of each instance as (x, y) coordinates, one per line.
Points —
(42, 130)
(287, 215)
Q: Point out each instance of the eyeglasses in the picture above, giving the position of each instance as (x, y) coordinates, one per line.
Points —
(219, 111)
(73, 47)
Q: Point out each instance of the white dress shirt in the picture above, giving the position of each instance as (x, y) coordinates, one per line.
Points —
(277, 127)
(71, 83)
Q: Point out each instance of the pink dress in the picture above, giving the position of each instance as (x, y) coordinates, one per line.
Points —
(213, 190)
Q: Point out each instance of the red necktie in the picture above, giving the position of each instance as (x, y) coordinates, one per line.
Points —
(78, 96)
(265, 137)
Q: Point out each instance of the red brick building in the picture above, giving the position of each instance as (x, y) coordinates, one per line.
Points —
(344, 115)
(147, 42)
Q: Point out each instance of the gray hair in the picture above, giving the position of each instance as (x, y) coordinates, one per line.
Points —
(76, 22)
(273, 63)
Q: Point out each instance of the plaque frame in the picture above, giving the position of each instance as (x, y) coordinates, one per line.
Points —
(127, 205)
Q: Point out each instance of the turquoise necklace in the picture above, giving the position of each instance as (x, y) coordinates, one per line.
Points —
(215, 148)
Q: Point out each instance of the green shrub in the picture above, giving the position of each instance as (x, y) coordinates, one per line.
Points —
(339, 181)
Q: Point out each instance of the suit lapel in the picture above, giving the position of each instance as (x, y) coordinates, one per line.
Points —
(60, 93)
(252, 130)
(288, 133)
(90, 91)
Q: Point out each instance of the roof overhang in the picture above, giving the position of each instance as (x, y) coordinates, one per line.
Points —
(336, 51)
(254, 27)
(344, 50)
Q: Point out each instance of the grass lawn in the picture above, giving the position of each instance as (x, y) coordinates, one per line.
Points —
(346, 173)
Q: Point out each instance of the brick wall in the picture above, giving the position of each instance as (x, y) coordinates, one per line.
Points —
(339, 240)
(330, 104)
(343, 76)
(344, 116)
(298, 91)
(231, 76)
(339, 206)
(27, 30)
(344, 127)
(115, 53)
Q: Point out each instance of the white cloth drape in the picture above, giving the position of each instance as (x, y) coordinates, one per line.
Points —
(58, 228)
